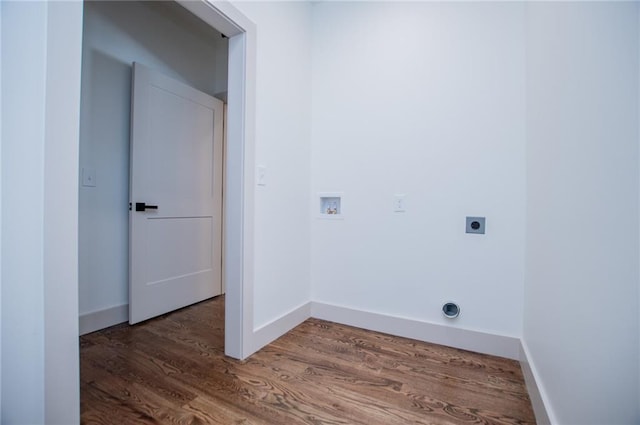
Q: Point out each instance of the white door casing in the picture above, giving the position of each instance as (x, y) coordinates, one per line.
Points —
(176, 166)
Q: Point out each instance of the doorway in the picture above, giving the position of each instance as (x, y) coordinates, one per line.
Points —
(108, 105)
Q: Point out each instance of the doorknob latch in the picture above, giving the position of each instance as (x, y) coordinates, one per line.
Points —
(141, 207)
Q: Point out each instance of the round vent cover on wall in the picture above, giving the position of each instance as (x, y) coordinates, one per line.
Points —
(451, 310)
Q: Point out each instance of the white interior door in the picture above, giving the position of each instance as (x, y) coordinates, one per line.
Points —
(175, 194)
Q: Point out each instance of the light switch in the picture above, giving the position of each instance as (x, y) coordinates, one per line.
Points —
(399, 202)
(262, 175)
(88, 177)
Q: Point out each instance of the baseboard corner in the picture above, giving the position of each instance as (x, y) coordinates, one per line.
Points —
(534, 388)
(273, 330)
(101, 319)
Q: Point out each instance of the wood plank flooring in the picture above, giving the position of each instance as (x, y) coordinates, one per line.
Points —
(172, 370)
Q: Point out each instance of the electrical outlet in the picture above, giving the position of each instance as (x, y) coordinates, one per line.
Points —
(475, 225)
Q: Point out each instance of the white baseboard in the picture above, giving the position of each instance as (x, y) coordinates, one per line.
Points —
(280, 326)
(539, 401)
(480, 342)
(96, 320)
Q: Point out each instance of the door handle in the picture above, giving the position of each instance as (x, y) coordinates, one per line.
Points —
(141, 206)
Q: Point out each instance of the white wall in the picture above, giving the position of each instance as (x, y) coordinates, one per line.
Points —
(581, 300)
(41, 44)
(169, 39)
(283, 102)
(1, 82)
(24, 61)
(427, 100)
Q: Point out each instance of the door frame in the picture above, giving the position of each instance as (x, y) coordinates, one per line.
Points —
(238, 181)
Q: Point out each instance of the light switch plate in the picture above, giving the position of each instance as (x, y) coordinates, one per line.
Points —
(89, 177)
(399, 202)
(261, 176)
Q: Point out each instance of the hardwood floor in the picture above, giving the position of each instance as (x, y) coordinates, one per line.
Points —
(172, 370)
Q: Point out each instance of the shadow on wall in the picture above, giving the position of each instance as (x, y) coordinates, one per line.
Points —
(179, 27)
(105, 133)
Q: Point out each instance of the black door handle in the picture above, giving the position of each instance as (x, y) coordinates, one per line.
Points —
(141, 206)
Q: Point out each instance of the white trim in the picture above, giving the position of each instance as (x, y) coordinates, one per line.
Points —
(63, 56)
(480, 342)
(101, 319)
(539, 400)
(246, 133)
(227, 19)
(238, 185)
(273, 330)
(1, 118)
